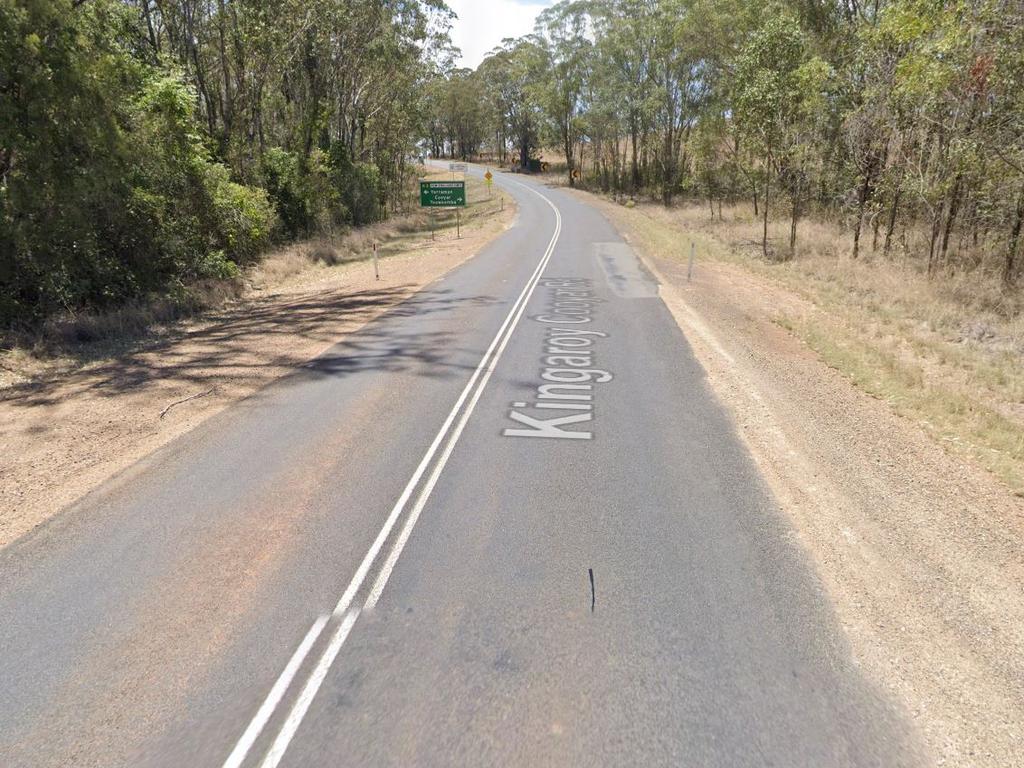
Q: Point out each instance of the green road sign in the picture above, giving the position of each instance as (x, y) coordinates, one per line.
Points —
(442, 194)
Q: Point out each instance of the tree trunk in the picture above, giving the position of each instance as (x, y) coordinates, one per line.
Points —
(227, 106)
(952, 207)
(635, 182)
(792, 224)
(936, 228)
(892, 222)
(862, 199)
(767, 188)
(146, 13)
(570, 158)
(1010, 265)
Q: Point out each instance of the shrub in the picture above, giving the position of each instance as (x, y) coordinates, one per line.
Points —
(244, 217)
(302, 193)
(288, 191)
(358, 185)
(201, 224)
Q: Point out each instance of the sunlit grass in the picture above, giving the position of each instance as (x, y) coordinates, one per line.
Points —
(946, 352)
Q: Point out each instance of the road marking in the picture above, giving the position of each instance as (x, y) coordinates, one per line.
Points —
(482, 373)
(316, 679)
(274, 697)
(568, 359)
(385, 573)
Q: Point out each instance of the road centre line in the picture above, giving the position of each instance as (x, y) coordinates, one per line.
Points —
(472, 393)
(399, 544)
(309, 691)
(276, 694)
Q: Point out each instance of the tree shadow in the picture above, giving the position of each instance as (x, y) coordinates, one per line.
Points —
(242, 339)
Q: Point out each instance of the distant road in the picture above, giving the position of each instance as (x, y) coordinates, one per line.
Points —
(504, 524)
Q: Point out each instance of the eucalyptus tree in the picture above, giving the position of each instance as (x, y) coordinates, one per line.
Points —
(776, 83)
(148, 143)
(562, 37)
(514, 74)
(626, 41)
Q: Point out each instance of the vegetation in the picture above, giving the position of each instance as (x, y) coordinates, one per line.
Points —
(902, 120)
(148, 144)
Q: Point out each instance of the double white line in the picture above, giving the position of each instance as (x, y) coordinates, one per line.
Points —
(345, 613)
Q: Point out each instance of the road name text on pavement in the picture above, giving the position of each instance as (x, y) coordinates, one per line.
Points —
(569, 374)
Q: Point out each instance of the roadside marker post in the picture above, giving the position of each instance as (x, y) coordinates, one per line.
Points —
(376, 266)
(689, 269)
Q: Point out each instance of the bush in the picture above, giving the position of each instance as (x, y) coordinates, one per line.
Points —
(302, 193)
(358, 185)
(245, 218)
(202, 223)
(288, 191)
(109, 192)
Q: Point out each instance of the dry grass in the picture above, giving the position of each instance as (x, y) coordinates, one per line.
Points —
(398, 234)
(947, 352)
(70, 341)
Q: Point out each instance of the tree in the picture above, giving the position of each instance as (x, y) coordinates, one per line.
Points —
(148, 143)
(769, 94)
(567, 51)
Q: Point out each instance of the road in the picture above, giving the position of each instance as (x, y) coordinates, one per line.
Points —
(507, 523)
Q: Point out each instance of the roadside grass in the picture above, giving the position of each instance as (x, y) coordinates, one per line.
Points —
(946, 352)
(400, 234)
(65, 343)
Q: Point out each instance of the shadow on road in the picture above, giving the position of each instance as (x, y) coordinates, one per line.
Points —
(242, 340)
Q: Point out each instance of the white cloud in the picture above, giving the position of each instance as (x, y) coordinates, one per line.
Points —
(482, 24)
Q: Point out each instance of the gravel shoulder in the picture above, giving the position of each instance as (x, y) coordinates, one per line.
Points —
(68, 430)
(921, 550)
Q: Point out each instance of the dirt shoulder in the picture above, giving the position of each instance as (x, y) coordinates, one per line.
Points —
(920, 548)
(66, 425)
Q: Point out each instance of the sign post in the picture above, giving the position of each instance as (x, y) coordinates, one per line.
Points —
(444, 194)
(489, 178)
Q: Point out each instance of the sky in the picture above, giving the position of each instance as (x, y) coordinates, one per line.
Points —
(482, 24)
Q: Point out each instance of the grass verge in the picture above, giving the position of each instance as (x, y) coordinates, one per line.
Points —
(946, 352)
(71, 341)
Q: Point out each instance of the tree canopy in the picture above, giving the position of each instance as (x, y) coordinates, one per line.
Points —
(900, 117)
(145, 144)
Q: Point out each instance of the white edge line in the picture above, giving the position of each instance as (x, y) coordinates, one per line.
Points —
(245, 743)
(342, 608)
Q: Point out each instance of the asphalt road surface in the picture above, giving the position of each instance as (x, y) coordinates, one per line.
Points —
(506, 523)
